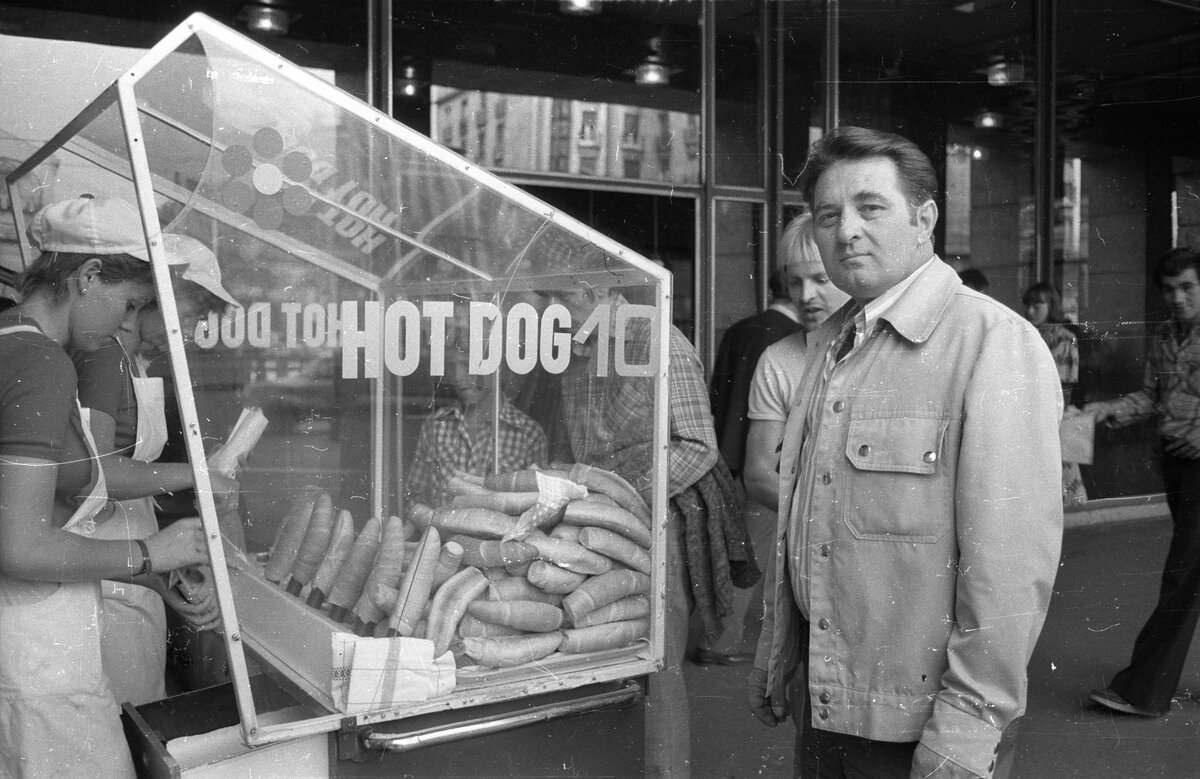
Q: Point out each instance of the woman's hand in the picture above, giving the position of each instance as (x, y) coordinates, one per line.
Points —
(178, 545)
(201, 613)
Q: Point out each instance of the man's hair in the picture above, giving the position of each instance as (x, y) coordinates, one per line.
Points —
(1175, 262)
(52, 269)
(797, 243)
(848, 143)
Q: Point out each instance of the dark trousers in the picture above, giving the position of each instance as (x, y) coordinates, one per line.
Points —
(1162, 645)
(821, 754)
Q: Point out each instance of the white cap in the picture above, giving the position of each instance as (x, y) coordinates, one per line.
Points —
(201, 264)
(89, 225)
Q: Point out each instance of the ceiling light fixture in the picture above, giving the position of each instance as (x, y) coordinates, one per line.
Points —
(580, 7)
(988, 120)
(653, 71)
(266, 19)
(408, 85)
(1001, 72)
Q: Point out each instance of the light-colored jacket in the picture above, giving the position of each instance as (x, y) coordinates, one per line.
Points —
(924, 535)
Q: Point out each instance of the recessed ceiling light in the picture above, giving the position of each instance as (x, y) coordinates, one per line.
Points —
(580, 7)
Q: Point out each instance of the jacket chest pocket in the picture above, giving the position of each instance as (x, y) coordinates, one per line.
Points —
(900, 483)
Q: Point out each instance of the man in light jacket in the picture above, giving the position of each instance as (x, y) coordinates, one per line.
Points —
(920, 516)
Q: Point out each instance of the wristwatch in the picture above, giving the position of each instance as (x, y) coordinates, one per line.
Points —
(147, 565)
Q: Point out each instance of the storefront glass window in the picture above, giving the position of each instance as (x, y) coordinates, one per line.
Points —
(737, 251)
(552, 135)
(738, 109)
(384, 288)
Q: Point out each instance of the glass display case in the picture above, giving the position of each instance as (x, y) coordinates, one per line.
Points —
(444, 401)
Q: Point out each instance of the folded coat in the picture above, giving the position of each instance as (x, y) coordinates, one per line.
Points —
(716, 546)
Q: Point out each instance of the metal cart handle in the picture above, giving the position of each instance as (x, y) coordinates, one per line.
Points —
(626, 695)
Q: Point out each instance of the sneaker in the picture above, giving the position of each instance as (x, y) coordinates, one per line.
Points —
(1111, 699)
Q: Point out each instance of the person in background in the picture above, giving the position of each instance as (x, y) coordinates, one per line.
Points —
(920, 522)
(742, 345)
(610, 421)
(127, 411)
(1044, 310)
(1145, 687)
(974, 278)
(729, 392)
(772, 395)
(463, 436)
(58, 717)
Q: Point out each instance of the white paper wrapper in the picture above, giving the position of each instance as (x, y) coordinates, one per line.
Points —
(553, 493)
(241, 441)
(1077, 431)
(377, 673)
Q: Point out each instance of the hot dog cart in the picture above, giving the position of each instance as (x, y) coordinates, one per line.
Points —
(370, 628)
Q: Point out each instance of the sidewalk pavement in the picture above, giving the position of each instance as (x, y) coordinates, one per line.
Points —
(1107, 586)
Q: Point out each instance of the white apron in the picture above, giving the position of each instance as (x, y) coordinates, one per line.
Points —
(58, 717)
(134, 647)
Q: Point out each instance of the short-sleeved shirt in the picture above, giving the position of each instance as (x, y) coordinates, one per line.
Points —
(38, 414)
(773, 388)
(104, 385)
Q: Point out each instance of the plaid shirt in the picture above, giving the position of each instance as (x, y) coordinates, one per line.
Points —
(610, 419)
(1171, 388)
(445, 444)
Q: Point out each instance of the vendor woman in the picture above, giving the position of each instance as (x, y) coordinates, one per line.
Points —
(127, 411)
(58, 717)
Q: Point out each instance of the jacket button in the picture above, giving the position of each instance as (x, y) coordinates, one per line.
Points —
(823, 713)
(823, 624)
(864, 450)
(824, 550)
(930, 457)
(826, 478)
(838, 406)
(825, 697)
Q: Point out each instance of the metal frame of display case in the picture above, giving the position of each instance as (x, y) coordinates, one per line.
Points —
(248, 630)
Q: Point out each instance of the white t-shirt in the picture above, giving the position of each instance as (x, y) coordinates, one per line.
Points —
(773, 388)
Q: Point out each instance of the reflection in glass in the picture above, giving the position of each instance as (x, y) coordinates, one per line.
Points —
(554, 135)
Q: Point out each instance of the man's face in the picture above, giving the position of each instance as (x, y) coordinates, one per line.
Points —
(1182, 295)
(813, 293)
(471, 390)
(580, 302)
(870, 238)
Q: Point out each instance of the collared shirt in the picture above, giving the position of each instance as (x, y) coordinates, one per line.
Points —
(876, 308)
(445, 444)
(610, 418)
(1169, 388)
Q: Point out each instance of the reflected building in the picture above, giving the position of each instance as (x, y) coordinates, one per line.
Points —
(553, 135)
